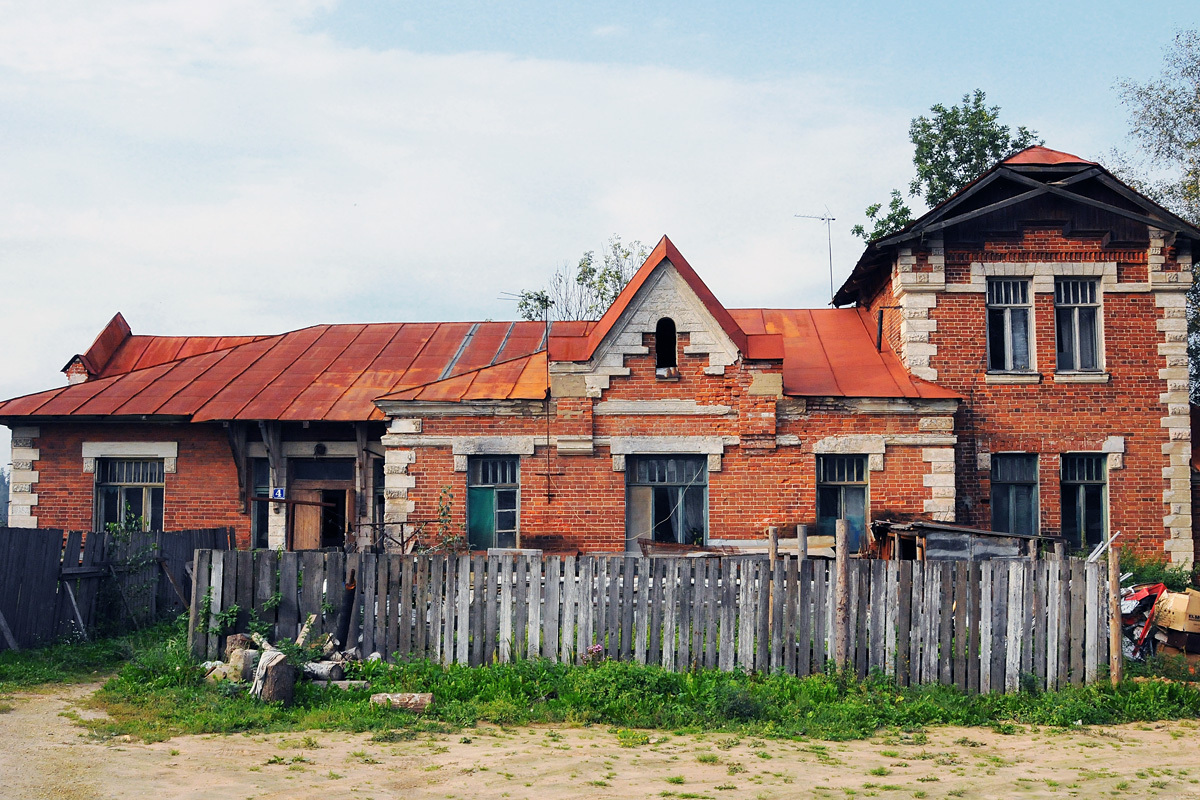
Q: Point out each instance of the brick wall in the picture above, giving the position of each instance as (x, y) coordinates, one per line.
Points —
(201, 493)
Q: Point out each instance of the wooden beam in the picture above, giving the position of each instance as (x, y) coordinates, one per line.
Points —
(8, 634)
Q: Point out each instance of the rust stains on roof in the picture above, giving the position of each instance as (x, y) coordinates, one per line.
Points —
(326, 372)
(831, 353)
(1044, 155)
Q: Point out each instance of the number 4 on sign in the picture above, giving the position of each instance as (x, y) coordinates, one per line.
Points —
(278, 493)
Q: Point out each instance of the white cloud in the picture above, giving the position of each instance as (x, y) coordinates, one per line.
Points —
(217, 168)
(607, 31)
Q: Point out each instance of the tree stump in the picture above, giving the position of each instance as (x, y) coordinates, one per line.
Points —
(275, 680)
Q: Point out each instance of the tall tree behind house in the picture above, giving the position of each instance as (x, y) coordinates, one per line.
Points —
(1164, 127)
(586, 290)
(951, 147)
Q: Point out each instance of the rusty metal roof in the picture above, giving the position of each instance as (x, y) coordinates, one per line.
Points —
(327, 372)
(832, 353)
(1044, 155)
(337, 372)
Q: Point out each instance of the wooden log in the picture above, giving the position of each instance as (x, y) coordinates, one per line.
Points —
(324, 671)
(345, 686)
(1116, 657)
(841, 640)
(416, 702)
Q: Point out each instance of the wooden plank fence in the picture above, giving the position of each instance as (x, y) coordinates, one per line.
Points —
(984, 626)
(50, 580)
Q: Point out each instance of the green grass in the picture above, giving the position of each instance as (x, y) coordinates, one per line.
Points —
(76, 662)
(159, 692)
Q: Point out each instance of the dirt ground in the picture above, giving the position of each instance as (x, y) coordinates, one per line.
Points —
(44, 754)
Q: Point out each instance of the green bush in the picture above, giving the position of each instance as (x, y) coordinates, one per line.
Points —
(1156, 569)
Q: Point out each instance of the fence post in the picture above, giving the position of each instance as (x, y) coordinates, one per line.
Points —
(841, 619)
(801, 542)
(1116, 655)
(772, 545)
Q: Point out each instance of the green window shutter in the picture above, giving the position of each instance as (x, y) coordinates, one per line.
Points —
(481, 517)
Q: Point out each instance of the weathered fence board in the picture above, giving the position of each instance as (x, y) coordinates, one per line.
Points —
(982, 626)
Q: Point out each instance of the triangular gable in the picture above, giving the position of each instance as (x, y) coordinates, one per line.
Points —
(1032, 173)
(663, 251)
(107, 341)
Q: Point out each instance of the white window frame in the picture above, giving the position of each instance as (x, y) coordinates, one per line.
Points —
(1007, 308)
(1096, 302)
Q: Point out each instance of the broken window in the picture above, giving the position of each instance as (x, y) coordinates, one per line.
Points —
(1083, 499)
(1076, 323)
(1014, 493)
(667, 500)
(842, 494)
(130, 489)
(493, 501)
(1008, 314)
(666, 359)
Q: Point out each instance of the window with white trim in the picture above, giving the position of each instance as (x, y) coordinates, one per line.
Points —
(1077, 325)
(130, 490)
(1084, 489)
(1008, 325)
(1015, 493)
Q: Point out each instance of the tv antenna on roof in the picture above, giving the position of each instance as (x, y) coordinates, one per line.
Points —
(826, 218)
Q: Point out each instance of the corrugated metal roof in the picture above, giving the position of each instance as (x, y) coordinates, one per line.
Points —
(831, 353)
(327, 372)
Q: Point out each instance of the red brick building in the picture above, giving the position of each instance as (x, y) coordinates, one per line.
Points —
(1016, 358)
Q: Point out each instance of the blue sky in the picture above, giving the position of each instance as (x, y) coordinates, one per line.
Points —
(261, 165)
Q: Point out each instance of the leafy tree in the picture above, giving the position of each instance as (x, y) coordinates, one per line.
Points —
(5, 479)
(952, 147)
(586, 290)
(1164, 125)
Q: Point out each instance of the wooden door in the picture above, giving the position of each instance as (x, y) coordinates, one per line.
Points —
(306, 520)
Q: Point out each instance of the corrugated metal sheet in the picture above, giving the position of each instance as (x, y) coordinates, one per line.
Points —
(327, 372)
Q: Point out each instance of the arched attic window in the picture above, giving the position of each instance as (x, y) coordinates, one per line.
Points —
(666, 360)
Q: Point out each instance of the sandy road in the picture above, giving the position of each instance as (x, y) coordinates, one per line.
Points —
(44, 754)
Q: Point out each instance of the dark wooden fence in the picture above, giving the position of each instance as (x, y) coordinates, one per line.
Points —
(981, 625)
(51, 581)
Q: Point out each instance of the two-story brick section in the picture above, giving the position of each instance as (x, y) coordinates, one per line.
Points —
(1015, 359)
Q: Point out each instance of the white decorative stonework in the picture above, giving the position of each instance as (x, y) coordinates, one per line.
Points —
(664, 294)
(1170, 295)
(711, 446)
(916, 293)
(983, 461)
(871, 445)
(940, 480)
(396, 485)
(167, 451)
(23, 499)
